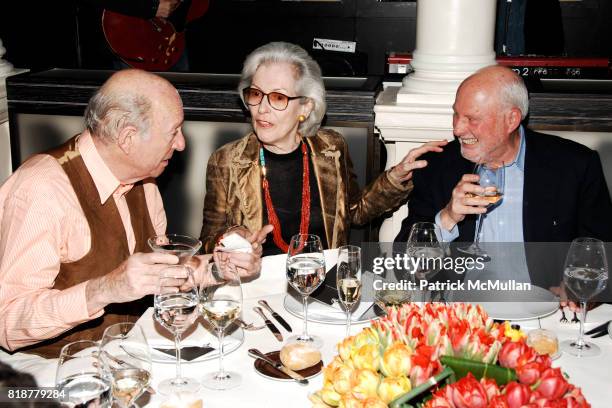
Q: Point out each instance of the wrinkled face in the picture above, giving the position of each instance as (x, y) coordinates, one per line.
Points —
(276, 127)
(153, 150)
(478, 122)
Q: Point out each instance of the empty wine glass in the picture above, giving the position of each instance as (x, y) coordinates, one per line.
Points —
(221, 303)
(425, 247)
(126, 354)
(81, 376)
(348, 279)
(176, 311)
(183, 246)
(585, 275)
(492, 179)
(305, 273)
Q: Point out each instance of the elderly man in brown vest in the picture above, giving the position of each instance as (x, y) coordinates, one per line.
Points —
(74, 222)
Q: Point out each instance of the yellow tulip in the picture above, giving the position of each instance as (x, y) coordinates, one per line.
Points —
(373, 402)
(392, 387)
(349, 401)
(330, 396)
(317, 401)
(396, 360)
(345, 349)
(367, 357)
(342, 379)
(365, 383)
(330, 370)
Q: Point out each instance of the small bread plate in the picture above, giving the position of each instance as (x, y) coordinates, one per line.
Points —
(266, 370)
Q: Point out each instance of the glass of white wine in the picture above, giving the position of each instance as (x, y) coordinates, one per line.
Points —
(492, 179)
(585, 275)
(176, 311)
(305, 273)
(221, 303)
(82, 377)
(348, 279)
(126, 354)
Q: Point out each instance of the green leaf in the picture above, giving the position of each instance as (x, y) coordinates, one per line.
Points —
(404, 400)
(462, 367)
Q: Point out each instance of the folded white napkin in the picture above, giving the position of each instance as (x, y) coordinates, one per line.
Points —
(235, 243)
(197, 335)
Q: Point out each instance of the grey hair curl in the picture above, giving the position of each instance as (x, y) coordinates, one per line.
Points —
(309, 82)
(106, 114)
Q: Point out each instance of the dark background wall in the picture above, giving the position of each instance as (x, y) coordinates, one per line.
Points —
(42, 34)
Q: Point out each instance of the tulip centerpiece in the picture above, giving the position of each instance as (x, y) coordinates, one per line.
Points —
(442, 356)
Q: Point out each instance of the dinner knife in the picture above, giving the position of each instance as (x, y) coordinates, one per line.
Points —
(279, 366)
(275, 315)
(270, 325)
(599, 328)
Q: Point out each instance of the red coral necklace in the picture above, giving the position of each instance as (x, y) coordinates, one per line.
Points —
(272, 217)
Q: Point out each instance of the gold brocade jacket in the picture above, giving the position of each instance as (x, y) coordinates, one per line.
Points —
(234, 192)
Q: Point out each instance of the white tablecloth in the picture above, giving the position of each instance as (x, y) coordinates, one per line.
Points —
(591, 374)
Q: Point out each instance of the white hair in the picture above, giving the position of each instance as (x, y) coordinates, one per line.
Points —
(514, 94)
(309, 82)
(106, 114)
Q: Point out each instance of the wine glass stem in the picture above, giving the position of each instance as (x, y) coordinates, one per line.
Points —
(348, 321)
(305, 331)
(220, 334)
(580, 343)
(177, 345)
(481, 218)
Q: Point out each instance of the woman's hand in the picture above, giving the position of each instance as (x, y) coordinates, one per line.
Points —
(402, 171)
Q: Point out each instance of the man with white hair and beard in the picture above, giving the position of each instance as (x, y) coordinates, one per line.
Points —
(555, 189)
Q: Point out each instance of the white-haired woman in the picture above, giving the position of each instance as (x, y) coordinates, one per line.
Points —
(289, 172)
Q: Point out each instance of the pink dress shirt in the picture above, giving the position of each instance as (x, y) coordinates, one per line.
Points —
(43, 225)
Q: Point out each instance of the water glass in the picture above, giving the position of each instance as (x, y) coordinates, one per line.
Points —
(305, 273)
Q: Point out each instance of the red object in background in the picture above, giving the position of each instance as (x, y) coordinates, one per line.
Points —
(149, 44)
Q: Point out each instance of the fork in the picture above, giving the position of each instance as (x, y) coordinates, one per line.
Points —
(563, 317)
(575, 318)
(248, 326)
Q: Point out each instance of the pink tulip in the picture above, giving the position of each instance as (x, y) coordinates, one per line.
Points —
(517, 395)
(552, 384)
(529, 373)
(511, 352)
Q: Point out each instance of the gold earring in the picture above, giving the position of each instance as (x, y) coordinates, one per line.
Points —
(301, 118)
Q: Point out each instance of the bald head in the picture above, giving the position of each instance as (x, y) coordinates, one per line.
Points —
(126, 99)
(498, 85)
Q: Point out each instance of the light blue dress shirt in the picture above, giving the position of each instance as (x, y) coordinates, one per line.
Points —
(504, 224)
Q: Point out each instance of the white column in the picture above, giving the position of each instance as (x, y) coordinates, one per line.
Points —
(454, 39)
(5, 147)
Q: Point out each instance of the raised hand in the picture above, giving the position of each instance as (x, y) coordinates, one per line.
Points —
(402, 171)
(466, 199)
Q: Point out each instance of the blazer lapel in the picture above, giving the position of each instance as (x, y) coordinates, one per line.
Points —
(326, 163)
(247, 178)
(538, 193)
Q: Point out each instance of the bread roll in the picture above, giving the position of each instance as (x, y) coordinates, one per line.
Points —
(298, 356)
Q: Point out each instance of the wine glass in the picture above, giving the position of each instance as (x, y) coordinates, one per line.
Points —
(492, 179)
(176, 311)
(183, 246)
(348, 279)
(221, 303)
(425, 247)
(585, 275)
(126, 354)
(305, 273)
(81, 376)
